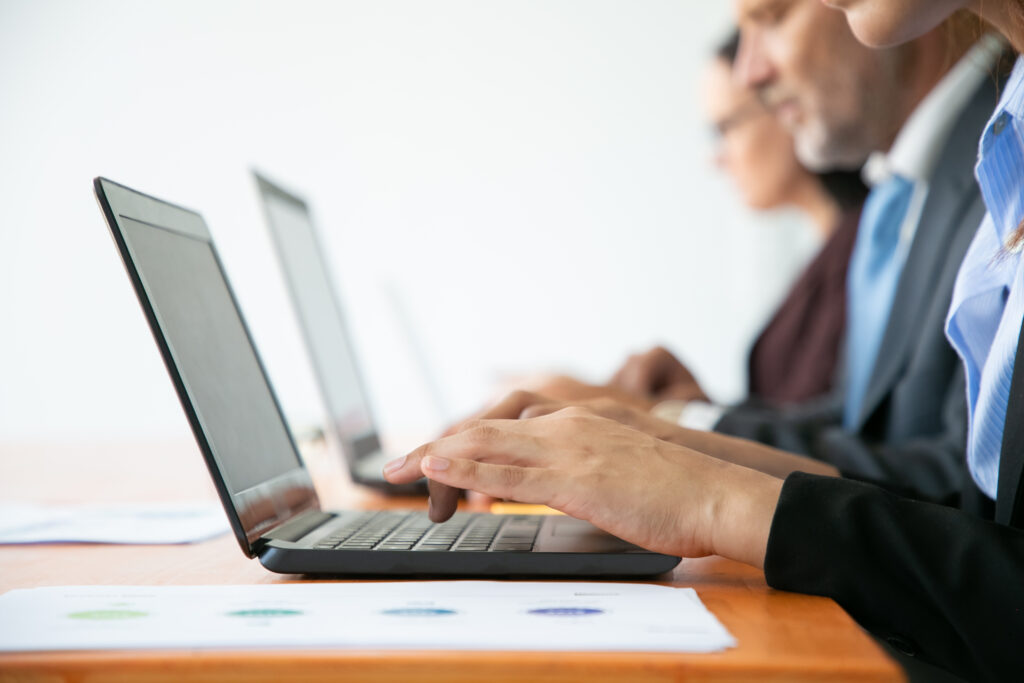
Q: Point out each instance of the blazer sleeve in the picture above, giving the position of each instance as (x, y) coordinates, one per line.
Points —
(936, 583)
(928, 467)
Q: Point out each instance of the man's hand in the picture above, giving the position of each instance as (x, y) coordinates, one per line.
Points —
(526, 405)
(653, 493)
(657, 375)
(551, 388)
(565, 388)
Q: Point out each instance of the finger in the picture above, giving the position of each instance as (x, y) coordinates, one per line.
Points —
(480, 500)
(510, 407)
(504, 441)
(619, 377)
(636, 376)
(669, 369)
(461, 424)
(454, 428)
(521, 484)
(541, 409)
(443, 501)
(602, 407)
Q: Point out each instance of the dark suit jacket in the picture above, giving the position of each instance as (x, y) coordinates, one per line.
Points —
(911, 434)
(934, 582)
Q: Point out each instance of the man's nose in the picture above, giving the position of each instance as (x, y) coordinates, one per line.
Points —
(752, 69)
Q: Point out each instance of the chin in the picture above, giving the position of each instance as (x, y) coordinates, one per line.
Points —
(759, 203)
(813, 154)
(821, 147)
(878, 31)
(885, 23)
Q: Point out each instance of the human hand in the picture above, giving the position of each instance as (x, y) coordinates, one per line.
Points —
(657, 374)
(568, 390)
(527, 404)
(655, 494)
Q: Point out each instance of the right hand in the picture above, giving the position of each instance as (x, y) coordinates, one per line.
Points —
(527, 404)
(658, 495)
(657, 375)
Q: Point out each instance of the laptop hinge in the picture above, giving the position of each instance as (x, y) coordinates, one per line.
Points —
(294, 529)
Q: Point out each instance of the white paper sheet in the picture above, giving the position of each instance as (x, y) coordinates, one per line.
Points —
(131, 523)
(448, 615)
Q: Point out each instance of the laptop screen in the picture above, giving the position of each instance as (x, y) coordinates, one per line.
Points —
(213, 355)
(320, 316)
(208, 351)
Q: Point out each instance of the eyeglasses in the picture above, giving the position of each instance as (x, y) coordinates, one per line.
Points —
(743, 114)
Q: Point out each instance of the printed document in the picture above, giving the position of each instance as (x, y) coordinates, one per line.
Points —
(134, 523)
(443, 615)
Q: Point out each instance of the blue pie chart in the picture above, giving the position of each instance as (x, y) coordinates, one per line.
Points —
(566, 611)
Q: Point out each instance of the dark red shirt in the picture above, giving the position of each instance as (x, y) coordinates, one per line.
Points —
(795, 357)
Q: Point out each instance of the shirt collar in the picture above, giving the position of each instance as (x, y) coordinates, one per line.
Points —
(1001, 157)
(915, 151)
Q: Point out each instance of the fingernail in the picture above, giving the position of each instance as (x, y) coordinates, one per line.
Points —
(394, 465)
(432, 462)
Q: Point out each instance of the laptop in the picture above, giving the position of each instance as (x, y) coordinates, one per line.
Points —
(322, 320)
(263, 485)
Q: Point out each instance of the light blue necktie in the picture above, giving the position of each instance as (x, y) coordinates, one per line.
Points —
(875, 267)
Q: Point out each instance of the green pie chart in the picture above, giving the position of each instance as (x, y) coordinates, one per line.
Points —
(107, 614)
(264, 613)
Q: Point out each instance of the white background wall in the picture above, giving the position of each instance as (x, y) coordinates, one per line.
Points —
(529, 178)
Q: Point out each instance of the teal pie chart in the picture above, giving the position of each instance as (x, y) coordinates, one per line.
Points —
(265, 613)
(418, 612)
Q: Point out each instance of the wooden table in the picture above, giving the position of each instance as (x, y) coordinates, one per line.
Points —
(782, 636)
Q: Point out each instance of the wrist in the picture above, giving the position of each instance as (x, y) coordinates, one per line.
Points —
(740, 513)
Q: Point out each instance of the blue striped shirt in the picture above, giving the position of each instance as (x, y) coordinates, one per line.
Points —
(984, 319)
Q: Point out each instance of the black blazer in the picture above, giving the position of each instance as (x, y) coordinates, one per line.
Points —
(911, 432)
(937, 583)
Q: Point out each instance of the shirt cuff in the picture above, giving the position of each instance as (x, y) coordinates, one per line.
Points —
(699, 415)
(690, 414)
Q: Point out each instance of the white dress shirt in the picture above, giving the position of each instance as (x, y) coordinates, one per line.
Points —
(985, 315)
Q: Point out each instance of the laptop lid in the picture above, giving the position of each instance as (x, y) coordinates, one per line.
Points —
(217, 373)
(322, 319)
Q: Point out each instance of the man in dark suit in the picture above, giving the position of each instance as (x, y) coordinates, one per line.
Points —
(906, 428)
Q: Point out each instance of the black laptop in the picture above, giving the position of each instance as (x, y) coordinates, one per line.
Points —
(264, 487)
(315, 300)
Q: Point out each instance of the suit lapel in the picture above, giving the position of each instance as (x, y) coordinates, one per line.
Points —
(1010, 494)
(951, 192)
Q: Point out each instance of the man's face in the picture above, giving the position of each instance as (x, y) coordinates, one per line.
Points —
(839, 99)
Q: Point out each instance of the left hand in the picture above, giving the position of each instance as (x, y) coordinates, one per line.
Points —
(657, 375)
(562, 388)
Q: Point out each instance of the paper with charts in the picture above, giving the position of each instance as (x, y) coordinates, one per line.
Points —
(443, 615)
(135, 523)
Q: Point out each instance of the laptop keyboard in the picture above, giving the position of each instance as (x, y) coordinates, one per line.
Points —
(464, 532)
